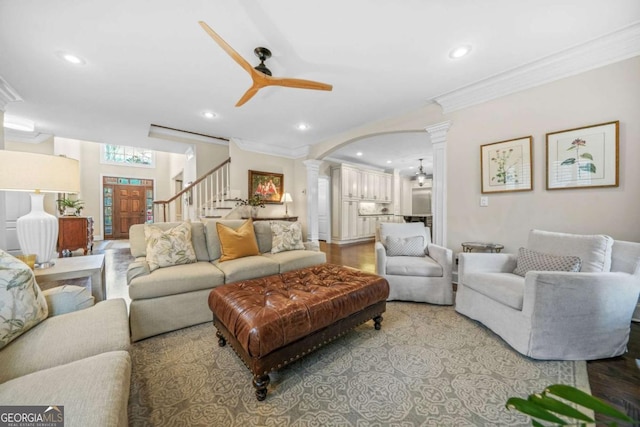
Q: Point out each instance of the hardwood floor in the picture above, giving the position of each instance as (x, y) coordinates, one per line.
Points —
(615, 380)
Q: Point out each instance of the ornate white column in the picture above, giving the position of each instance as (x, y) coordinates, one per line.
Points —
(438, 135)
(313, 168)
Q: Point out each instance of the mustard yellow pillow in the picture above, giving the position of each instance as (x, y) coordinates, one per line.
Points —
(237, 243)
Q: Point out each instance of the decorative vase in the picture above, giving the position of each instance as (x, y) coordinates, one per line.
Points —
(254, 211)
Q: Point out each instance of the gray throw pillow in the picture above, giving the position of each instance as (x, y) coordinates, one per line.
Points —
(529, 260)
(405, 246)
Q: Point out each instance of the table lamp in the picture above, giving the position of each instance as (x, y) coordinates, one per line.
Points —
(38, 174)
(286, 198)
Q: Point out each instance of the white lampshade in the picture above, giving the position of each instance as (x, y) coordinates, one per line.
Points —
(286, 198)
(38, 173)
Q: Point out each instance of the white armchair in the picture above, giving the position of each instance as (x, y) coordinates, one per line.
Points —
(556, 315)
(416, 269)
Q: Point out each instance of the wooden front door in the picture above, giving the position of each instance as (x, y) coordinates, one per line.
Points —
(128, 209)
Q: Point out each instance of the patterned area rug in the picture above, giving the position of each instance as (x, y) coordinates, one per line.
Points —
(428, 366)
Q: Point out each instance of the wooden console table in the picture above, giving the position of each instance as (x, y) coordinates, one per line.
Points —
(279, 218)
(75, 232)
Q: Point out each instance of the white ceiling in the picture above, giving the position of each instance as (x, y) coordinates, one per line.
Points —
(151, 63)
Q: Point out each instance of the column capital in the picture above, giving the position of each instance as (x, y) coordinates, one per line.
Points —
(7, 94)
(438, 132)
(312, 164)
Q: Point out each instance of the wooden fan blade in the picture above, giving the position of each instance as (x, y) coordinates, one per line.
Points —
(227, 48)
(297, 83)
(248, 95)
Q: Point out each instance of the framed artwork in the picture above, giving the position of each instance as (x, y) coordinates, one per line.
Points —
(506, 166)
(584, 157)
(266, 185)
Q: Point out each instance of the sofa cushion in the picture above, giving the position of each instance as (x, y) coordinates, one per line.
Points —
(237, 243)
(286, 237)
(176, 280)
(413, 266)
(22, 305)
(505, 288)
(166, 248)
(247, 268)
(593, 250)
(67, 298)
(529, 260)
(293, 260)
(264, 235)
(67, 338)
(94, 391)
(405, 246)
(138, 243)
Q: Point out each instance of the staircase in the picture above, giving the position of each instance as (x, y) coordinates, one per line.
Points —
(210, 194)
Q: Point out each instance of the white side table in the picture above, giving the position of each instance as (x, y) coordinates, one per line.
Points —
(77, 267)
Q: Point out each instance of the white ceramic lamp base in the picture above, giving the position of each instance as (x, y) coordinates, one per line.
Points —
(38, 231)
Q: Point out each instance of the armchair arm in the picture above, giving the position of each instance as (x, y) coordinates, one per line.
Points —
(381, 258)
(67, 298)
(311, 246)
(485, 263)
(567, 296)
(442, 256)
(137, 268)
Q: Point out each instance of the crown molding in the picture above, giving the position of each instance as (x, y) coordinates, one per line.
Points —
(608, 49)
(34, 137)
(7, 94)
(262, 148)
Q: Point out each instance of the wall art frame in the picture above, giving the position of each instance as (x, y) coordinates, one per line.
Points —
(268, 186)
(584, 157)
(507, 166)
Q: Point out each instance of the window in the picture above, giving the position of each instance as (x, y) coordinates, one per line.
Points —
(129, 156)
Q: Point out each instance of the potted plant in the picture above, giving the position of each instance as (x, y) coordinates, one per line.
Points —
(68, 206)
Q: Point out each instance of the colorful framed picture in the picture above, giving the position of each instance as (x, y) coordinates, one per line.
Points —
(267, 185)
(506, 166)
(584, 157)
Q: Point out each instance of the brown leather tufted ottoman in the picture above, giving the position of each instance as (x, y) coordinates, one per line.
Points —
(275, 320)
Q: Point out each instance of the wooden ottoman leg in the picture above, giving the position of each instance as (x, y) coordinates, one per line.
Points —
(221, 340)
(261, 382)
(377, 322)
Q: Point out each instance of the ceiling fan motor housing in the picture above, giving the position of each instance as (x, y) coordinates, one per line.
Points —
(263, 54)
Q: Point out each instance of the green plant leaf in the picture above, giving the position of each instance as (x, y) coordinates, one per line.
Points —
(568, 162)
(558, 407)
(586, 156)
(573, 147)
(533, 410)
(534, 423)
(574, 395)
(589, 167)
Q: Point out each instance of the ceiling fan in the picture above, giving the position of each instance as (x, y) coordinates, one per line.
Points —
(260, 74)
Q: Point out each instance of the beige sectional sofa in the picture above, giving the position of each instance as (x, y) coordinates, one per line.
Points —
(78, 360)
(176, 297)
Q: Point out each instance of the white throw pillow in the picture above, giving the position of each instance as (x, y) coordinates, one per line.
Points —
(286, 237)
(529, 260)
(405, 246)
(22, 305)
(170, 247)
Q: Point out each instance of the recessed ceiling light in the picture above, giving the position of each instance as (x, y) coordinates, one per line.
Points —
(359, 153)
(388, 161)
(209, 115)
(71, 58)
(459, 52)
(302, 126)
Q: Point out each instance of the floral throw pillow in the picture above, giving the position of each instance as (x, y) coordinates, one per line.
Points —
(169, 247)
(22, 304)
(286, 237)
